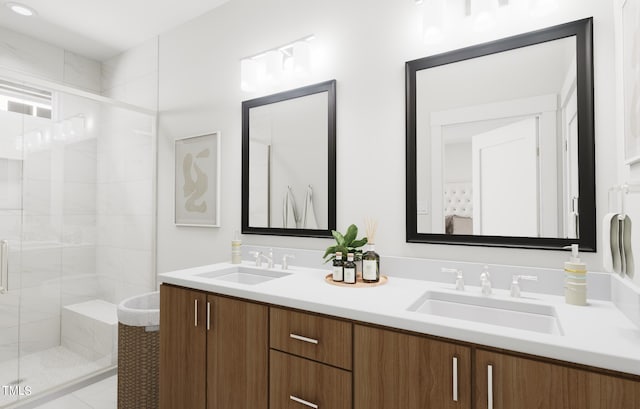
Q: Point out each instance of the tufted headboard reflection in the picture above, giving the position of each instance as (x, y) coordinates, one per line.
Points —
(458, 199)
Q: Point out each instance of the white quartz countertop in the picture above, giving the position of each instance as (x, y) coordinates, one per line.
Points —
(598, 334)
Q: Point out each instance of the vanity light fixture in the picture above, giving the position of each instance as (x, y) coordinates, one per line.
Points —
(20, 9)
(433, 21)
(442, 17)
(271, 67)
(484, 14)
(542, 7)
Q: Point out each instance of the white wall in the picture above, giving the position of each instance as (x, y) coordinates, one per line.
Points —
(626, 173)
(364, 47)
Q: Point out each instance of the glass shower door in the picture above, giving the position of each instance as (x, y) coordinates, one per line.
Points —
(11, 162)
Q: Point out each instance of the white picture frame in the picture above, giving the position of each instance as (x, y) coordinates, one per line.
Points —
(197, 181)
(630, 25)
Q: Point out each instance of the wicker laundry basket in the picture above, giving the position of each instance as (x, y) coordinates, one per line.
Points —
(138, 352)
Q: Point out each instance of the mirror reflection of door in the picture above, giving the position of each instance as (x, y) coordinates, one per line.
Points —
(505, 180)
(516, 193)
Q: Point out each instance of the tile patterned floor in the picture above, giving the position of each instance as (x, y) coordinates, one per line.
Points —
(47, 369)
(100, 395)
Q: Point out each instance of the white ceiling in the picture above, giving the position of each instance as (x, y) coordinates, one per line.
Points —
(100, 29)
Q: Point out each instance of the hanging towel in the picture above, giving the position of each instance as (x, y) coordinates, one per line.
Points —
(625, 247)
(607, 241)
(308, 214)
(289, 213)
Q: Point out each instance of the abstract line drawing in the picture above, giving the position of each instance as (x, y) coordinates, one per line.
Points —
(197, 173)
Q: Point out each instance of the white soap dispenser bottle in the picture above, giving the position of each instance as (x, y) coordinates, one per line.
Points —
(236, 249)
(575, 287)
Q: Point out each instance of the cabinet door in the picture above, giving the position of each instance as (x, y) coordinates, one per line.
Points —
(506, 382)
(182, 348)
(299, 383)
(396, 370)
(238, 354)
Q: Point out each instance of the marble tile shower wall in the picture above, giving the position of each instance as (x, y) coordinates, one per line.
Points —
(86, 216)
(125, 175)
(27, 55)
(125, 204)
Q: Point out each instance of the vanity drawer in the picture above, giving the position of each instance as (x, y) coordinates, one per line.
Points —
(296, 383)
(319, 338)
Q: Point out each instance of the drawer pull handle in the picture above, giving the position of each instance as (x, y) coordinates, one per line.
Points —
(195, 313)
(455, 379)
(303, 402)
(304, 339)
(208, 316)
(489, 386)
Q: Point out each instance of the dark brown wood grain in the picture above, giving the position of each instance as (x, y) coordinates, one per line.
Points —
(334, 336)
(182, 349)
(238, 355)
(531, 384)
(323, 385)
(396, 370)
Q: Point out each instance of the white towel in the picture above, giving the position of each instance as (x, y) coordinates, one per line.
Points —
(289, 213)
(607, 241)
(308, 214)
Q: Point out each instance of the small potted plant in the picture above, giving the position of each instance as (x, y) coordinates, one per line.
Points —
(346, 243)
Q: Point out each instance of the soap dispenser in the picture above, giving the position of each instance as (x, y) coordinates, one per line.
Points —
(236, 249)
(575, 288)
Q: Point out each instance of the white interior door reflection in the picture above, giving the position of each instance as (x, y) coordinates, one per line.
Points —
(505, 180)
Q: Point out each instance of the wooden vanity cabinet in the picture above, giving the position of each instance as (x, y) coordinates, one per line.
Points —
(504, 381)
(213, 351)
(311, 360)
(183, 349)
(398, 370)
(218, 352)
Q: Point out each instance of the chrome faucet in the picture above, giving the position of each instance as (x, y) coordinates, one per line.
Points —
(259, 256)
(285, 261)
(485, 281)
(459, 277)
(515, 283)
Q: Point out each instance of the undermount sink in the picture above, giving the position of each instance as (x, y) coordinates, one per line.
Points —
(488, 310)
(243, 275)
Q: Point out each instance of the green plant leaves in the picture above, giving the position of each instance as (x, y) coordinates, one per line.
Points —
(338, 236)
(359, 243)
(352, 232)
(346, 243)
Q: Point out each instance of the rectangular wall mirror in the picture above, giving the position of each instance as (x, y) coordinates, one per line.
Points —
(289, 162)
(500, 142)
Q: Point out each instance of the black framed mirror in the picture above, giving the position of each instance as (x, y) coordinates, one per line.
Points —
(500, 142)
(289, 162)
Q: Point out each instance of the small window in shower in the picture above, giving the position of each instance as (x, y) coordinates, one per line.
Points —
(25, 100)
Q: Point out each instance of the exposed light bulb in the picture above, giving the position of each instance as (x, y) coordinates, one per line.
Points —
(433, 21)
(21, 9)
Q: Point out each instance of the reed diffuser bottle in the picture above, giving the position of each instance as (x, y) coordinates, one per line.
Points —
(371, 259)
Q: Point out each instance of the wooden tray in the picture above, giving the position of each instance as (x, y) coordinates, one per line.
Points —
(359, 283)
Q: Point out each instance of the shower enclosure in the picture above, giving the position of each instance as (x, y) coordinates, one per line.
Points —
(77, 182)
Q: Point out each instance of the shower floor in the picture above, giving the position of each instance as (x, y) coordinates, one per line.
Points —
(45, 370)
